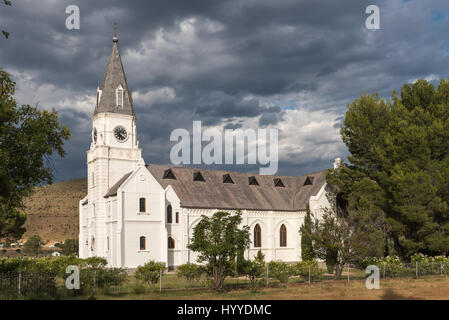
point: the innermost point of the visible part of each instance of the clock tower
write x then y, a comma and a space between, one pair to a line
114, 150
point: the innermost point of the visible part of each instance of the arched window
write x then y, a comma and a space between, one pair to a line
169, 214
283, 236
142, 207
257, 236
177, 217
107, 243
142, 243
171, 243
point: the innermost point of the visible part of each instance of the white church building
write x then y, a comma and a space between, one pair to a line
134, 213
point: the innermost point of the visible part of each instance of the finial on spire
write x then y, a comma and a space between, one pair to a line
115, 39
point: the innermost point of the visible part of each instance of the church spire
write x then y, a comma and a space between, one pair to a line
114, 96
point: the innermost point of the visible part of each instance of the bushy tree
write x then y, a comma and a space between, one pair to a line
306, 242
69, 247
402, 145
351, 235
280, 270
253, 269
190, 271
218, 239
28, 139
33, 245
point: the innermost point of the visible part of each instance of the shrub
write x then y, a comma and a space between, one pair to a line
190, 271
150, 272
254, 269
302, 269
279, 270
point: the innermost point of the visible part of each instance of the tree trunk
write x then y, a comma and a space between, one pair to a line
338, 270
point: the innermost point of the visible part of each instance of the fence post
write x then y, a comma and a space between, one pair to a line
348, 272
416, 269
267, 274
309, 274
20, 281
160, 279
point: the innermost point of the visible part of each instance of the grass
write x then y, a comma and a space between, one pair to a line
429, 287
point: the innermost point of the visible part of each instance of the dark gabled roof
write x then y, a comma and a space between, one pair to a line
113, 190
168, 174
113, 78
213, 193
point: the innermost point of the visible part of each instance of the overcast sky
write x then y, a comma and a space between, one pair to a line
293, 65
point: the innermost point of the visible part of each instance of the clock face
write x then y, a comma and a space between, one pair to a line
95, 134
120, 134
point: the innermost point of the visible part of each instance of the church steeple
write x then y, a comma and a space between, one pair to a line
114, 96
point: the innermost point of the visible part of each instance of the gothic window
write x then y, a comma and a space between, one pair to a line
142, 243
177, 217
257, 236
171, 243
142, 207
169, 214
107, 243
283, 236
119, 93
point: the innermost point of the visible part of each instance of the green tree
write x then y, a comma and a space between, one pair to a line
349, 236
28, 139
69, 247
33, 245
218, 239
402, 145
306, 241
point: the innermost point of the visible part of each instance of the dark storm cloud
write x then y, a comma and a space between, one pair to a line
244, 59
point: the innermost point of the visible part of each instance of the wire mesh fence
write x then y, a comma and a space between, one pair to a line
104, 283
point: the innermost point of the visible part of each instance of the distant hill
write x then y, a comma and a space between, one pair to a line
52, 210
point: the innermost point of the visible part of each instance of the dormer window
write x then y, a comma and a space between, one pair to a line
119, 94
227, 178
308, 181
252, 181
278, 183
168, 174
197, 176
